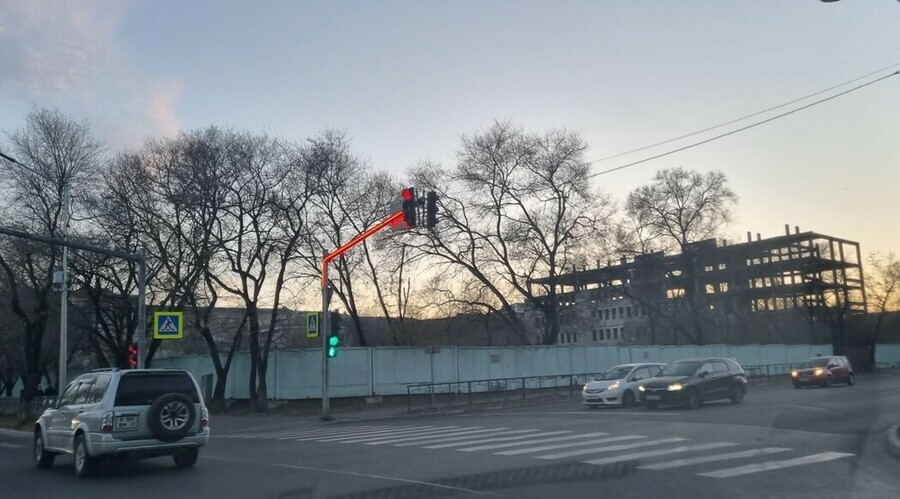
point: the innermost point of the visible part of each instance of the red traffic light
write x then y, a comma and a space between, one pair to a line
408, 194
132, 356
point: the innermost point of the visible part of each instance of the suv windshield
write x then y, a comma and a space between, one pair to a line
614, 373
679, 369
144, 388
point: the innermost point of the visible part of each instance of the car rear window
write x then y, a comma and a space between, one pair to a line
143, 389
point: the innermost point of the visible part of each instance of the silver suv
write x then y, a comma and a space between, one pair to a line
124, 413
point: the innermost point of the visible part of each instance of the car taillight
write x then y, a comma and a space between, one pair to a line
204, 418
106, 424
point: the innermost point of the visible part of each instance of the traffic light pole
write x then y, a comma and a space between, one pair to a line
324, 328
323, 332
138, 257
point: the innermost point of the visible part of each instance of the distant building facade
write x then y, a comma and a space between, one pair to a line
803, 278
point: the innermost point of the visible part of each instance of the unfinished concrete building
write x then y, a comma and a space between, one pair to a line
805, 276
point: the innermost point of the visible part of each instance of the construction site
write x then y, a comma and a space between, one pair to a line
797, 287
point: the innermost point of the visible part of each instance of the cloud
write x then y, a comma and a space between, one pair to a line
68, 54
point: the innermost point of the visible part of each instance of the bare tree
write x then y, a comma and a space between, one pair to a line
258, 234
882, 289
336, 215
52, 152
518, 207
678, 209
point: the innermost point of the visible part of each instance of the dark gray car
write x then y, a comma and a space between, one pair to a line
692, 382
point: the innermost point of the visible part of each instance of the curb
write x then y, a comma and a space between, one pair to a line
15, 433
893, 440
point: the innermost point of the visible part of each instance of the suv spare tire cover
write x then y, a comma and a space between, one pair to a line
171, 417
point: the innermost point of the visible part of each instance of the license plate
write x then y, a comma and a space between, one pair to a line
804, 378
654, 397
126, 422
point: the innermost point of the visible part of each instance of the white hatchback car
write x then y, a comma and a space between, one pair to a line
618, 386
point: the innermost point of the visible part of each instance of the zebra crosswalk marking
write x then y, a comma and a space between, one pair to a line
531, 450
661, 452
324, 434
775, 465
507, 445
383, 435
519, 435
611, 448
466, 438
420, 437
678, 463
345, 434
427, 438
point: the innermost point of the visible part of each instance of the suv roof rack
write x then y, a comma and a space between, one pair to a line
105, 370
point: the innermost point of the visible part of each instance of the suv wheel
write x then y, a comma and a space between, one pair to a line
737, 394
186, 458
692, 399
851, 379
827, 382
84, 463
171, 417
627, 399
42, 457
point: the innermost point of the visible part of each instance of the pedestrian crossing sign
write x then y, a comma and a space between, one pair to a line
312, 324
168, 325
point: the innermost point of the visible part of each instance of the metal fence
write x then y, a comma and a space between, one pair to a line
487, 391
11, 405
429, 396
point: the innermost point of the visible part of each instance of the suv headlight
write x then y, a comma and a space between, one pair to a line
674, 387
819, 371
641, 388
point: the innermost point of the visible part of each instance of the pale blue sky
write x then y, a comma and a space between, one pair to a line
405, 79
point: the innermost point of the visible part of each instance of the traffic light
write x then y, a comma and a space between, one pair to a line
132, 356
410, 203
334, 341
431, 209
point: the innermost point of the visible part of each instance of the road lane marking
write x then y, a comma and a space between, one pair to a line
775, 465
344, 433
467, 438
386, 434
607, 412
610, 448
531, 450
295, 431
527, 434
678, 463
428, 438
356, 473
332, 431
662, 452
532, 442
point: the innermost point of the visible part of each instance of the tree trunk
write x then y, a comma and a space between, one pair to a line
253, 316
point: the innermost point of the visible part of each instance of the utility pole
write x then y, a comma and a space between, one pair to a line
64, 298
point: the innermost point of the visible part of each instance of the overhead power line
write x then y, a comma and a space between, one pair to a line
741, 129
742, 118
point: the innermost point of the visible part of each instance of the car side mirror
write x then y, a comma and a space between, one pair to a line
50, 402
704, 374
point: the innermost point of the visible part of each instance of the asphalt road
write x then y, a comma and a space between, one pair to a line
781, 442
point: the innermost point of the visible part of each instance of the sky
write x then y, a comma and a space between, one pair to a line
406, 79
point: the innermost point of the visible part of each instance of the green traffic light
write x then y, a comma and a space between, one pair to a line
333, 341
331, 352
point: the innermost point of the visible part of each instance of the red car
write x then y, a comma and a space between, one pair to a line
823, 371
